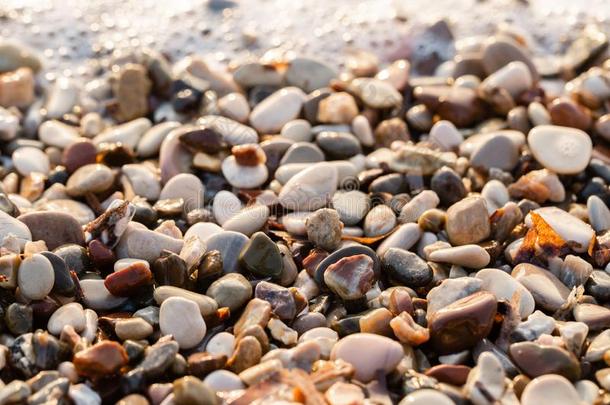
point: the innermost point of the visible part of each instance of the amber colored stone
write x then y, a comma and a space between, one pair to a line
101, 256
101, 360
567, 113
248, 155
125, 282
315, 257
247, 353
400, 301
202, 364
454, 374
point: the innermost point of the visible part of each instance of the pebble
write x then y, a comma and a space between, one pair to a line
419, 204
298, 130
223, 380
599, 214
270, 115
498, 51
338, 108
552, 388
514, 77
375, 93
186, 186
234, 106
350, 277
248, 220
495, 150
560, 149
599, 345
180, 317
486, 381
309, 74
351, 206
79, 153
101, 360
133, 328
29, 159
149, 143
404, 237
17, 88
229, 244
548, 292
425, 396
361, 128
189, 390
444, 134
141, 243
97, 297
142, 180
463, 323
131, 88
468, 221
61, 97
406, 268
302, 152
571, 229
9, 124
566, 113
472, 256
310, 188
207, 306
379, 221
595, 316
324, 228
536, 360
70, 314
382, 354
242, 176
94, 178
35, 277
54, 227
128, 134
56, 133
225, 206
503, 286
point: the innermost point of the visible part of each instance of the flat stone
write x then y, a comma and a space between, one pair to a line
310, 189
181, 318
133, 328
131, 88
503, 286
55, 228
382, 354
126, 281
96, 296
495, 151
17, 88
234, 106
550, 388
143, 181
379, 221
472, 256
514, 77
446, 135
599, 214
302, 152
536, 360
404, 237
309, 74
406, 268
207, 306
186, 186
350, 277
419, 204
248, 220
150, 142
595, 316
79, 153
560, 149
128, 134
375, 93
486, 381
103, 359
571, 229
28, 159
70, 314
548, 292
141, 243
599, 345
424, 396
93, 178
56, 133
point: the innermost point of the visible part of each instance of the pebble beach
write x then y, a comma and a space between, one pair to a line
334, 205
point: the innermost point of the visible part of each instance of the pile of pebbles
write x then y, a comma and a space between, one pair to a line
282, 232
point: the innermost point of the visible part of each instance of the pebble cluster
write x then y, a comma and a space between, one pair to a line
283, 232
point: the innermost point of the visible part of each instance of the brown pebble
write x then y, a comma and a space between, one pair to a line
454, 374
78, 154
376, 321
249, 154
567, 113
247, 353
125, 282
100, 360
257, 312
202, 364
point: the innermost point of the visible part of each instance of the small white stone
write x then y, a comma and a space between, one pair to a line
143, 181
241, 176
310, 189
473, 256
9, 124
69, 314
222, 343
361, 127
56, 133
225, 205
271, 114
248, 220
550, 389
294, 222
223, 380
28, 159
129, 133
446, 135
96, 296
35, 277
298, 130
186, 186
599, 214
514, 77
426, 396
150, 143
379, 221
181, 318
419, 204
560, 149
503, 286
203, 230
234, 106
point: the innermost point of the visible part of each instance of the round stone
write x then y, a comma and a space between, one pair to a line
468, 221
406, 268
29, 159
310, 189
270, 115
56, 133
133, 328
242, 176
381, 353
560, 149
248, 220
54, 227
553, 389
70, 314
181, 318
231, 290
350, 277
351, 206
426, 396
324, 228
379, 221
36, 277
186, 186
93, 178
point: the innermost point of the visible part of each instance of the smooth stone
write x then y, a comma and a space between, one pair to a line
548, 292
500, 51
223, 380
54, 227
203, 230
251, 74
324, 228
225, 206
503, 286
338, 145
536, 360
231, 290
406, 268
472, 143
234, 106
56, 133
375, 93
514, 77
97, 297
248, 220
221, 344
261, 256
350, 277
9, 124
379, 221
270, 115
181, 318
102, 359
229, 244
174, 158
309, 189
446, 135
142, 180
571, 229
495, 194
346, 172
93, 178
81, 212
233, 132
347, 250
63, 284
451, 290
128, 134
70, 314
241, 176
553, 389
309, 74
298, 130
14, 55
150, 141
133, 328
560, 149
294, 222
207, 306
351, 206
426, 396
463, 323
361, 128
468, 221
448, 186
28, 159
485, 382
186, 186
599, 214
419, 204
36, 277
599, 345
472, 256
495, 151
81, 394
564, 112
382, 354
61, 97
139, 242
342, 393
595, 316
79, 153
404, 237
302, 152
598, 285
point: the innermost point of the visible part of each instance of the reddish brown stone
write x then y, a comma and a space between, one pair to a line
78, 154
101, 360
454, 374
125, 282
201, 139
102, 257
315, 257
202, 364
567, 113
248, 155
461, 106
400, 301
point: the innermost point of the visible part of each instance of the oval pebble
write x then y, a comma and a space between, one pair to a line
181, 318
29, 159
560, 149
36, 277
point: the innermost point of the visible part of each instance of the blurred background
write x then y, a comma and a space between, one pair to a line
68, 32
